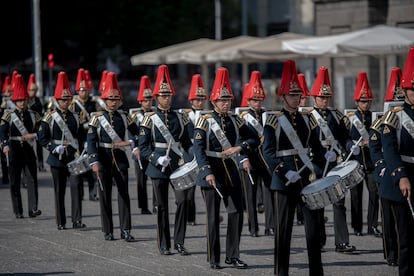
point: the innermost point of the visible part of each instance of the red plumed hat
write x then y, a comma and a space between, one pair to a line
62, 90
20, 89
6, 85
88, 79
303, 85
289, 83
322, 86
81, 82
363, 89
102, 82
254, 90
197, 90
145, 91
407, 80
244, 102
111, 90
31, 84
221, 87
13, 78
394, 91
163, 84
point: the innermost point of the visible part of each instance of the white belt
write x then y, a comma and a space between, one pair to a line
106, 145
289, 152
65, 142
165, 145
16, 138
408, 159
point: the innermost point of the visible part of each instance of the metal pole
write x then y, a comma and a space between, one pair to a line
37, 46
217, 9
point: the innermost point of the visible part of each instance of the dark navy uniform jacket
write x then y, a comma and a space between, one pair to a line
99, 141
280, 164
153, 145
10, 135
363, 157
237, 133
50, 136
398, 153
387, 189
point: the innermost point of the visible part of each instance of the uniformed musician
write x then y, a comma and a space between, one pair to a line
6, 93
289, 140
162, 141
59, 133
254, 95
219, 138
18, 135
397, 137
108, 145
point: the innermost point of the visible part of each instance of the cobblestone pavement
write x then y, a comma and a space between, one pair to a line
34, 246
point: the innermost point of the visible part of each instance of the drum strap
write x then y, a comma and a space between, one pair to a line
65, 130
110, 130
20, 126
356, 122
166, 134
253, 122
295, 141
329, 138
407, 123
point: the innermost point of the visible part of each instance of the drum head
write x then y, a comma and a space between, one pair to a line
320, 184
344, 168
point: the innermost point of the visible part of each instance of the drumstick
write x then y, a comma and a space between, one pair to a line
100, 182
250, 177
140, 164
350, 154
299, 171
167, 153
217, 190
411, 206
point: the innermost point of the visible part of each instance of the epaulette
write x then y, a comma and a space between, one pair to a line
239, 121
48, 116
391, 119
130, 119
339, 114
347, 122
94, 120
312, 122
6, 116
350, 114
244, 113
186, 119
202, 122
37, 116
376, 125
272, 120
147, 122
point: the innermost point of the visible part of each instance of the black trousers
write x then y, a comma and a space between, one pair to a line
105, 199
389, 231
60, 177
142, 178
233, 201
15, 173
285, 206
192, 205
373, 202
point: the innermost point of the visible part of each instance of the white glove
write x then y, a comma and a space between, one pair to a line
292, 176
164, 160
59, 149
382, 172
355, 150
330, 156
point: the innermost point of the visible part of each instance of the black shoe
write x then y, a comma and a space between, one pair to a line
299, 222
154, 209
375, 231
146, 212
358, 233
35, 213
93, 198
109, 237
260, 208
125, 235
269, 232
165, 251
254, 234
61, 227
221, 218
392, 263
192, 223
215, 266
19, 216
236, 262
181, 249
78, 225
345, 248
326, 219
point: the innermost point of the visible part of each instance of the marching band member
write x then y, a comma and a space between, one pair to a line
59, 133
333, 132
254, 95
107, 141
361, 120
145, 99
18, 134
6, 93
397, 137
83, 105
163, 137
289, 139
218, 138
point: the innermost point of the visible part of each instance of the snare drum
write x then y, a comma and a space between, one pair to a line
351, 173
79, 166
185, 176
323, 192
